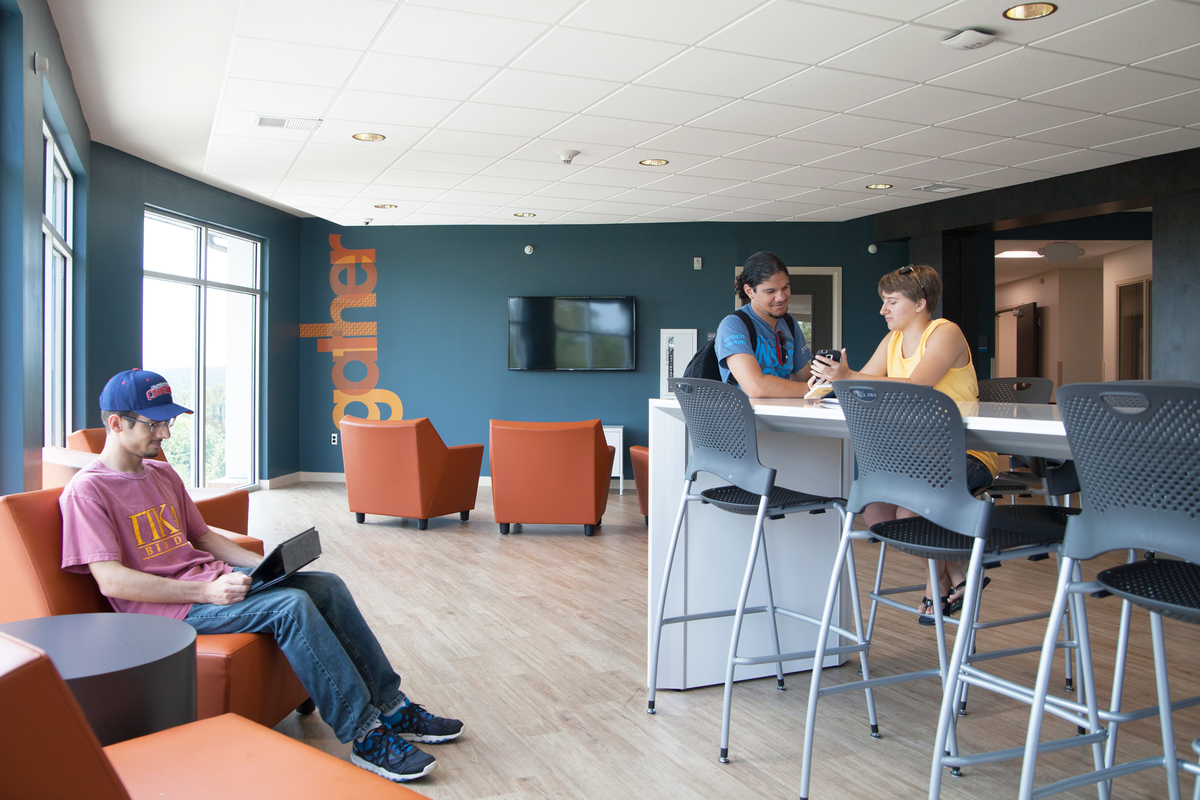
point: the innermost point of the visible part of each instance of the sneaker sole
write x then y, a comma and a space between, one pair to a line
428, 738
358, 761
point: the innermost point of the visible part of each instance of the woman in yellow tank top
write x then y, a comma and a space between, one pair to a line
929, 352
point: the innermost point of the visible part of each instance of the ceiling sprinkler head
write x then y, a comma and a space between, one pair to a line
565, 156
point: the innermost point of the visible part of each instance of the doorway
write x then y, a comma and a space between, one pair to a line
816, 305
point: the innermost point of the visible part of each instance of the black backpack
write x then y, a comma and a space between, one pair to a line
704, 364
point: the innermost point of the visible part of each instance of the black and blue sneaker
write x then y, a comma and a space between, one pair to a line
415, 724
385, 753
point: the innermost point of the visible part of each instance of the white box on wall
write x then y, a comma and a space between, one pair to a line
676, 346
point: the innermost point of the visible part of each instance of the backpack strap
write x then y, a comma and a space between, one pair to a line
753, 334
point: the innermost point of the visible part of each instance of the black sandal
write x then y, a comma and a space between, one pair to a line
952, 607
927, 605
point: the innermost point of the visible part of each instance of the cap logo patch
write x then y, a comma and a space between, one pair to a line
158, 390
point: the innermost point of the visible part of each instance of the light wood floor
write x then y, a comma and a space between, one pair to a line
537, 640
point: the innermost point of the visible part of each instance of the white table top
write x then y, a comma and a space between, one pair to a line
1019, 428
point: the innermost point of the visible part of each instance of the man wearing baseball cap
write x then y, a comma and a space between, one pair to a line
128, 520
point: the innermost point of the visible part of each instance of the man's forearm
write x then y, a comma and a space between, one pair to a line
117, 580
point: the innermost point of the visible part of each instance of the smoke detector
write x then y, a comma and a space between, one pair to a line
565, 156
969, 40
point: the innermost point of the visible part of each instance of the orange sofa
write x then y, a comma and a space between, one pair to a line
401, 468
241, 672
640, 456
550, 472
47, 750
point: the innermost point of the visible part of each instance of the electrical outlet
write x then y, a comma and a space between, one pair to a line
333, 439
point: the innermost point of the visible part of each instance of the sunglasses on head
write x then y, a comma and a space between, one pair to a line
909, 270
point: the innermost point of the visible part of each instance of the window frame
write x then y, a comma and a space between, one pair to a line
57, 295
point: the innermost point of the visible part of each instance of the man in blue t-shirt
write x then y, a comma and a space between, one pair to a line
779, 366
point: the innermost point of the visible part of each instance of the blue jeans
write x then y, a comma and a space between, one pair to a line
317, 624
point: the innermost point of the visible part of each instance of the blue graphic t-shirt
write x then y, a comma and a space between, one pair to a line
732, 338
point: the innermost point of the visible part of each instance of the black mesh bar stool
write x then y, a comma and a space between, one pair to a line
724, 442
1038, 391
910, 450
1136, 447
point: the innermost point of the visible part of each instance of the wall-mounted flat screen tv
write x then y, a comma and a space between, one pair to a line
572, 333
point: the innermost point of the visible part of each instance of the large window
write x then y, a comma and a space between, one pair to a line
57, 192
200, 295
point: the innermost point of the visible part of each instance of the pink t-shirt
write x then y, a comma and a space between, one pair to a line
145, 520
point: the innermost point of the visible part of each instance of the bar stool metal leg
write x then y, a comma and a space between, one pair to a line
656, 632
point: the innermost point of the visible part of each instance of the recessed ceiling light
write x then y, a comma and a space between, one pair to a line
654, 162
524, 214
1019, 254
1030, 11
370, 137
385, 205
879, 186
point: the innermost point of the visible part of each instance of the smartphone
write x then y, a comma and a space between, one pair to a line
834, 355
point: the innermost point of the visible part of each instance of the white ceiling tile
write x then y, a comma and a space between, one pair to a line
232, 122
1077, 161
691, 183
420, 77
614, 207
829, 197
325, 188
1156, 144
751, 116
347, 155
1141, 32
631, 158
1184, 62
583, 218
589, 54
812, 177
513, 87
1096, 131
702, 141
585, 128
791, 152
1020, 73
683, 21
935, 141
334, 23
847, 129
718, 72
755, 190
1182, 110
965, 14
713, 202
324, 171
486, 118
484, 183
532, 10
282, 99
734, 169
507, 215
795, 32
546, 150
341, 132
471, 144
745, 216
893, 54
285, 62
419, 178
579, 191
830, 89
656, 105
892, 9
784, 209
443, 162
245, 167
428, 218
489, 199
861, 182
367, 205
839, 214
396, 194
1010, 176
1016, 118
536, 202
456, 209
676, 214
928, 105
544, 170
248, 147
391, 109
652, 196
887, 202
602, 176
448, 35
936, 169
1119, 89
863, 160
264, 186
1007, 152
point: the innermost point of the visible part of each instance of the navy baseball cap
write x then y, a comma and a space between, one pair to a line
143, 391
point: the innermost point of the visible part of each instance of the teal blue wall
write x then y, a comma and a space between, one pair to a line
442, 313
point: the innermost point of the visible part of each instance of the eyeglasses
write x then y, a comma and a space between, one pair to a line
909, 269
165, 425
780, 350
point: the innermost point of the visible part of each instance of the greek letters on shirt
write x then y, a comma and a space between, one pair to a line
157, 531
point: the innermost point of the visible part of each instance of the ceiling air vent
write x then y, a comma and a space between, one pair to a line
939, 188
290, 123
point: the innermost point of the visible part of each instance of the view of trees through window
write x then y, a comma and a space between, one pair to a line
200, 322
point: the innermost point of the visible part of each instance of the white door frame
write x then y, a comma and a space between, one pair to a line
836, 274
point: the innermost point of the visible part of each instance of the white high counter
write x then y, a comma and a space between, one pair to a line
807, 443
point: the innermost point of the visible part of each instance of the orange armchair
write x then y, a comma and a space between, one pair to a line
550, 472
401, 468
91, 440
226, 756
640, 456
241, 672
